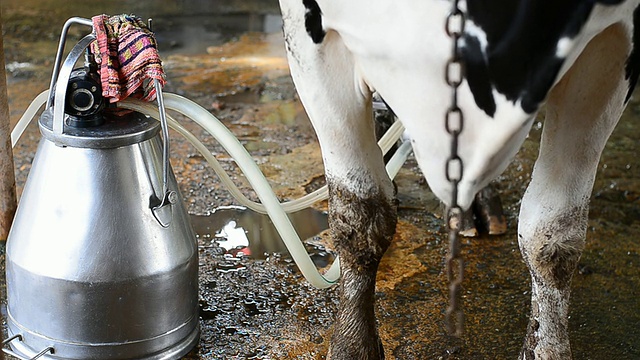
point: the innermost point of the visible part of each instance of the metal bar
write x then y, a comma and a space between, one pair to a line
16, 336
10, 352
167, 197
41, 353
59, 54
8, 200
63, 78
165, 137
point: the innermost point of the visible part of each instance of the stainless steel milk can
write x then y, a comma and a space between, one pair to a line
98, 265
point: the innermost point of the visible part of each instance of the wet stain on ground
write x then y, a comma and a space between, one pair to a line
254, 304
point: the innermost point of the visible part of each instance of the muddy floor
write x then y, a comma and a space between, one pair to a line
254, 304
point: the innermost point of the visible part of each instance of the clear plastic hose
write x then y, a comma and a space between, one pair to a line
257, 180
269, 203
28, 115
389, 138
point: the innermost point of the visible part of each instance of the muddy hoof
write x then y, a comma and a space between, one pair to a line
340, 354
485, 213
488, 210
468, 224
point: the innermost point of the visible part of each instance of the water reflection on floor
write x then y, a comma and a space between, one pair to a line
256, 306
245, 233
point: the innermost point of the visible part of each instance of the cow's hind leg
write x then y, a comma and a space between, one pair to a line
583, 108
362, 211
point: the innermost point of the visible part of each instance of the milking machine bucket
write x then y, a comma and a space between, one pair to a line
101, 259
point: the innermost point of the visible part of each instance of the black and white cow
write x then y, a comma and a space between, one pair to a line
577, 56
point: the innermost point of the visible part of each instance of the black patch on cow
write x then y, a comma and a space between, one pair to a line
633, 63
478, 75
522, 36
313, 21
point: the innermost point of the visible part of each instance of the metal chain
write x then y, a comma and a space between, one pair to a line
454, 123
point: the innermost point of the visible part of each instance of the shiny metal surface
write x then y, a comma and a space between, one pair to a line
59, 54
160, 211
117, 131
63, 78
89, 269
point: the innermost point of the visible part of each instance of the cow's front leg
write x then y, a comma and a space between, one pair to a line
551, 248
582, 110
362, 224
362, 214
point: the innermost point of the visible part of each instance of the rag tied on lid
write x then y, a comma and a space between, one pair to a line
127, 57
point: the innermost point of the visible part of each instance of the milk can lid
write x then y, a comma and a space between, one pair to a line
116, 131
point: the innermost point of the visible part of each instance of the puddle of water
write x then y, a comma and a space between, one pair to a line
244, 233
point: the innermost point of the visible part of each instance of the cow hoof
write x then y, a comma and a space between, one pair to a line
485, 213
488, 210
335, 355
545, 354
467, 224
366, 351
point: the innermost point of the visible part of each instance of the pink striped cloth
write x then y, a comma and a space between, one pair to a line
127, 57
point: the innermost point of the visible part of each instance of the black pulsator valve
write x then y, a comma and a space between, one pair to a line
84, 102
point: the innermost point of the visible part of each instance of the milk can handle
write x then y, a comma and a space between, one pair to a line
62, 73
63, 79
16, 355
163, 211
61, 44
60, 77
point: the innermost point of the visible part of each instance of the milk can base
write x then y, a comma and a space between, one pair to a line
119, 351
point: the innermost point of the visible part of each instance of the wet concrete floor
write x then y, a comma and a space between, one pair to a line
254, 304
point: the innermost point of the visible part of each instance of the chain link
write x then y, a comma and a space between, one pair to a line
454, 169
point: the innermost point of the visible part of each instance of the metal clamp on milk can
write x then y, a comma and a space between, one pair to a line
101, 258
